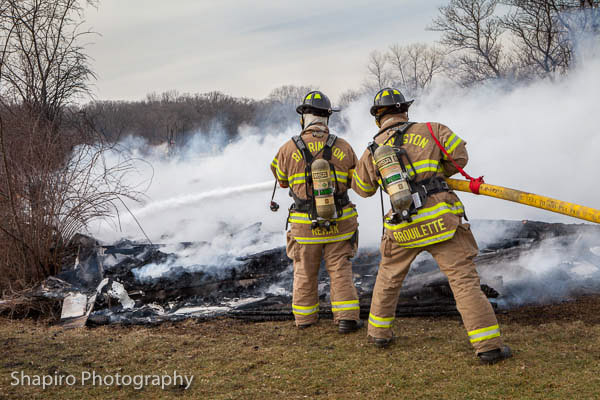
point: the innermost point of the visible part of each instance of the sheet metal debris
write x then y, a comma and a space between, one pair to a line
520, 262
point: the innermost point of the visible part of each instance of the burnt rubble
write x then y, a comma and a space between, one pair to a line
520, 262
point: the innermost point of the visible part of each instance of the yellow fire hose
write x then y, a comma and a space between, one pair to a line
530, 199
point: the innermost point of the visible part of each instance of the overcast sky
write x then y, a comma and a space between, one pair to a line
245, 47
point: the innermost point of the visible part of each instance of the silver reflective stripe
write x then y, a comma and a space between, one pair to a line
428, 165
341, 307
437, 210
304, 310
380, 324
341, 178
303, 217
425, 215
480, 335
450, 142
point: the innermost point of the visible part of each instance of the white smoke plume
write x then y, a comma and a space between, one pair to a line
539, 137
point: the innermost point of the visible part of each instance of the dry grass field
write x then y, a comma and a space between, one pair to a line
557, 356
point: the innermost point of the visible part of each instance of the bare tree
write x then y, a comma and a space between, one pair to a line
44, 65
378, 75
577, 16
472, 32
415, 65
50, 187
541, 40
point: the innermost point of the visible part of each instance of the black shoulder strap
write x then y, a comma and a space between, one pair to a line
372, 146
303, 149
399, 135
327, 150
390, 127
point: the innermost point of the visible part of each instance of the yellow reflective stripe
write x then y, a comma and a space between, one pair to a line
317, 95
386, 319
339, 303
424, 218
450, 139
489, 328
362, 185
341, 176
385, 93
379, 322
305, 313
280, 174
297, 179
416, 164
327, 239
378, 325
344, 308
429, 213
344, 305
453, 141
309, 96
354, 213
458, 141
299, 218
430, 240
424, 166
305, 307
484, 333
303, 218
305, 310
491, 336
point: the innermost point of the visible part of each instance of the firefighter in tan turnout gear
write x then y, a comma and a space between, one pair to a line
317, 167
406, 163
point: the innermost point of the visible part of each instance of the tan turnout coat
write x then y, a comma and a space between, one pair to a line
288, 167
439, 217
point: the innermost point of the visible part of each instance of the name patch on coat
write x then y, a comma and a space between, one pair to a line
421, 232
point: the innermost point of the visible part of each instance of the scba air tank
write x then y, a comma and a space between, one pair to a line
393, 178
323, 189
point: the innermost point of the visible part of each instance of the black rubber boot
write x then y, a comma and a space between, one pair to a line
304, 326
496, 355
349, 326
380, 342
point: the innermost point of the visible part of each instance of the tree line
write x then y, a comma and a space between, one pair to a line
173, 117
483, 40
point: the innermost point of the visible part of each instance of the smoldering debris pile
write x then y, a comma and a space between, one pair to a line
520, 262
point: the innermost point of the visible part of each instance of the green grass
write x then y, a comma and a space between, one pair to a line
557, 356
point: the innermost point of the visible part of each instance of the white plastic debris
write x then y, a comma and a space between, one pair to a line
74, 305
117, 291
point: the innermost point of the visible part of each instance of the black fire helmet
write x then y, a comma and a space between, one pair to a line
316, 103
389, 97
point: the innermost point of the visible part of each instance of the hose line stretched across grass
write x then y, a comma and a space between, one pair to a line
530, 199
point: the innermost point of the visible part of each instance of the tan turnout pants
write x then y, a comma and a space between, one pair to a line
307, 260
455, 259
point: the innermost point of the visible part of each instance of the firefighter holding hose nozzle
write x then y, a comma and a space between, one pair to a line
317, 166
425, 215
